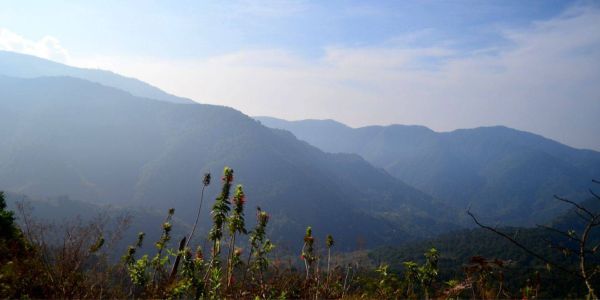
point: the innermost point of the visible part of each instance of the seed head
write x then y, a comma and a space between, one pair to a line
206, 180
263, 218
329, 242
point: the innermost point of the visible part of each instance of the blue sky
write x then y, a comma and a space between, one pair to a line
200, 28
532, 65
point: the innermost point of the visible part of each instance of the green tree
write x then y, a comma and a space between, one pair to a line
8, 230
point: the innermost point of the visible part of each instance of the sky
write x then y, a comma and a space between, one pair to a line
532, 65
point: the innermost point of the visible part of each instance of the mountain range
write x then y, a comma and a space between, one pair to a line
27, 66
508, 176
105, 139
96, 143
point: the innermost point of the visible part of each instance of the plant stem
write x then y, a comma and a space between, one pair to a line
230, 260
197, 217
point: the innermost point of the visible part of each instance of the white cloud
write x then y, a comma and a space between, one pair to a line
47, 47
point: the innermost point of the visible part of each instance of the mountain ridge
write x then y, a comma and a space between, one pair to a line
510, 174
19, 65
68, 136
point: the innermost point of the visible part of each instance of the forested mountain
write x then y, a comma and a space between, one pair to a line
506, 175
457, 248
27, 66
67, 136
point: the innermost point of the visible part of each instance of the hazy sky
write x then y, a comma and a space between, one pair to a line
532, 65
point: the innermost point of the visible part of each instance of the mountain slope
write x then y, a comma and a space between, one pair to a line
60, 213
26, 66
508, 175
456, 249
65, 136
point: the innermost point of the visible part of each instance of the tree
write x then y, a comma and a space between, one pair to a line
8, 230
591, 220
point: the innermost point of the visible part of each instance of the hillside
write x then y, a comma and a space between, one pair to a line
66, 136
457, 248
61, 213
506, 175
26, 66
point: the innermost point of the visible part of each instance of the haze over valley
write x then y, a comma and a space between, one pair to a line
299, 149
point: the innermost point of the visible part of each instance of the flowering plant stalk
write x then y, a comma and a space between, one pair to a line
236, 225
260, 247
219, 213
158, 261
205, 183
329, 242
308, 251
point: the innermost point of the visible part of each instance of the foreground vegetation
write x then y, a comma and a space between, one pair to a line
38, 262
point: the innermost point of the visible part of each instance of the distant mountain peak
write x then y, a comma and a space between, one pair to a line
70, 136
508, 173
14, 64
320, 122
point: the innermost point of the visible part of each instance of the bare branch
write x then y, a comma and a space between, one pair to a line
575, 204
594, 194
566, 234
524, 248
582, 216
562, 248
